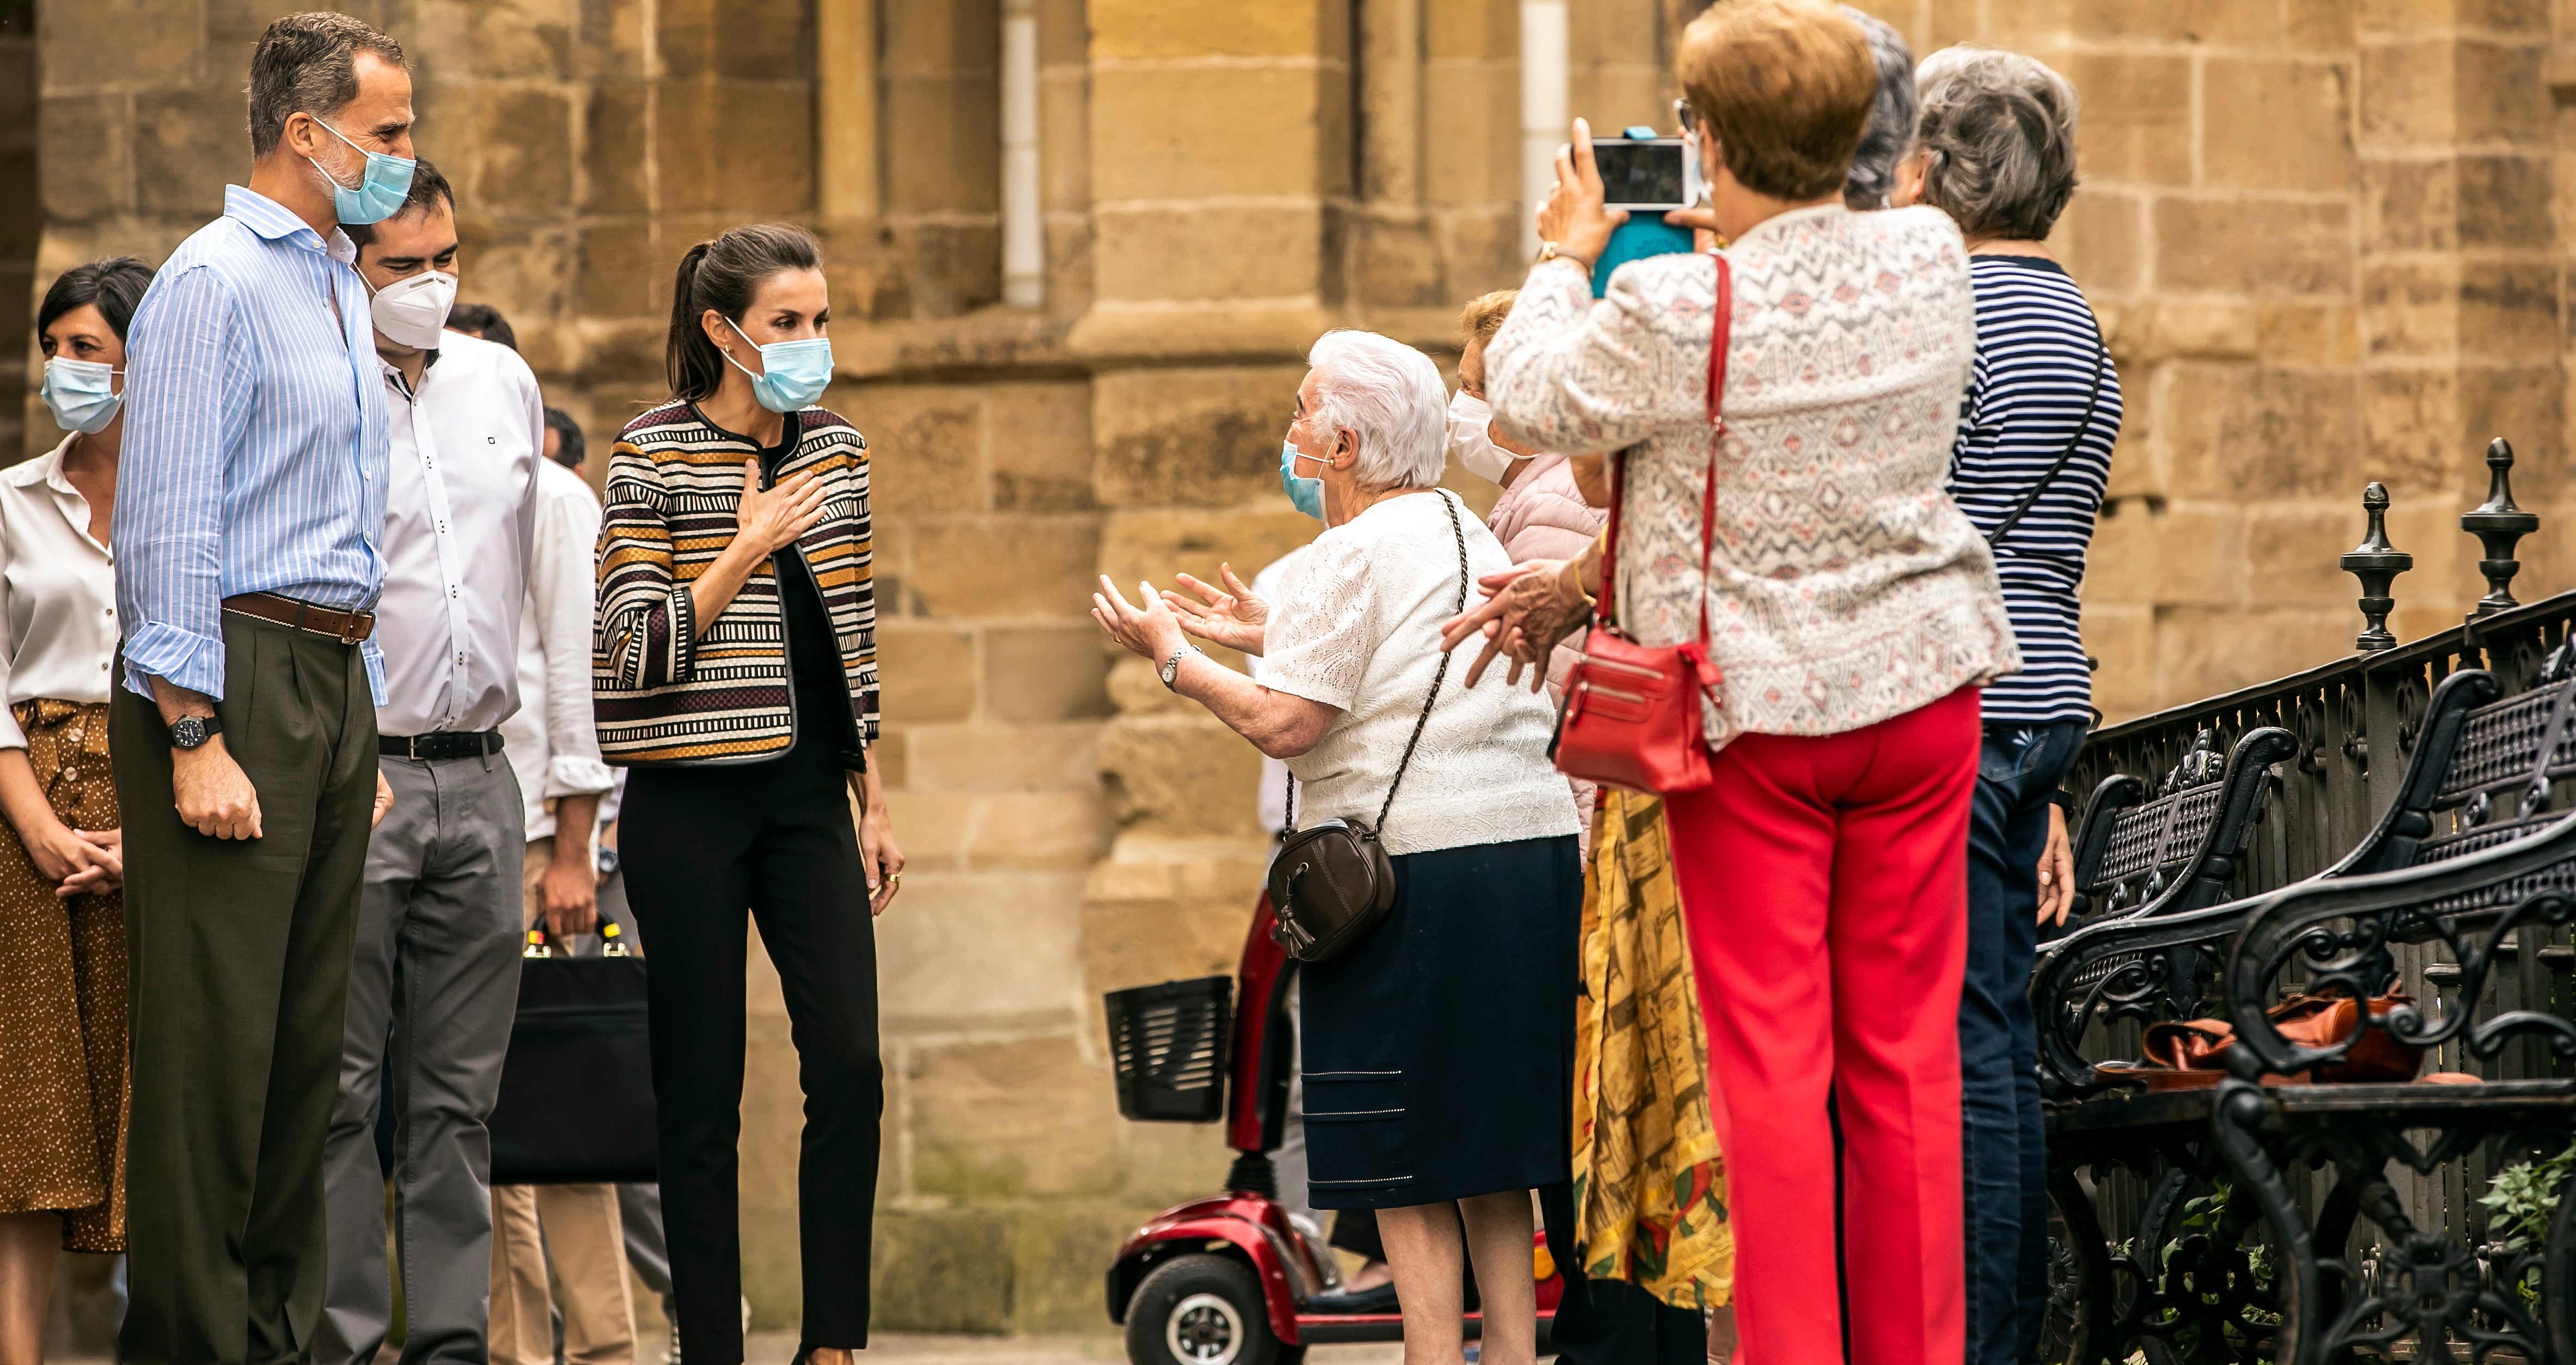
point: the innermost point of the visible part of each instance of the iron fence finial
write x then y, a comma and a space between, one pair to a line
2376, 563
2497, 524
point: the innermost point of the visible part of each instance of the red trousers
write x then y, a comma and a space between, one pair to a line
1825, 882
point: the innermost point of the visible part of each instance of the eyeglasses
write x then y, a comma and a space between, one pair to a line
1684, 119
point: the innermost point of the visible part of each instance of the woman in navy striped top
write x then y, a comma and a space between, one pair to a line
1996, 151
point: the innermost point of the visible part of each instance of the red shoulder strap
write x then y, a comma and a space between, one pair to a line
1721, 326
1721, 332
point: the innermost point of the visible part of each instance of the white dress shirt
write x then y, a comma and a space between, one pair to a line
460, 507
551, 742
57, 592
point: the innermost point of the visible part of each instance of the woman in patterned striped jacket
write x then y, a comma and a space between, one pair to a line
735, 671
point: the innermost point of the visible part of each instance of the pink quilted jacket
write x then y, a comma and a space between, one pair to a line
1543, 516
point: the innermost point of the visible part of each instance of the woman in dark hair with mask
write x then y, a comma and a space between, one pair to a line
62, 915
735, 667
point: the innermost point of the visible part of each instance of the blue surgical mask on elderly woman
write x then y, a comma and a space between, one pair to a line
1307, 494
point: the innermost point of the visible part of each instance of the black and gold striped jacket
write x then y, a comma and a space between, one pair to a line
665, 694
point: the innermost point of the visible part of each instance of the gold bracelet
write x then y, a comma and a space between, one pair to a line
1547, 252
1574, 568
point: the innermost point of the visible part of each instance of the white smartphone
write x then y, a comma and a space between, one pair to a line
1646, 173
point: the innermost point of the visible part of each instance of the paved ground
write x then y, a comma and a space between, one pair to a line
768, 1348
775, 1348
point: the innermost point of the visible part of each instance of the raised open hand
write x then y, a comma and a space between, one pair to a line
1151, 630
1231, 616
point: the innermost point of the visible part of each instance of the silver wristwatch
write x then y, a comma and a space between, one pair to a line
1172, 666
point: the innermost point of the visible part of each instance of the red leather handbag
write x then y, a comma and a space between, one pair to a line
1631, 715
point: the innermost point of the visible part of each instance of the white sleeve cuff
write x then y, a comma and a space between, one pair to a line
577, 775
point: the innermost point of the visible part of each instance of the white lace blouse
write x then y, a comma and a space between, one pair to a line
1360, 630
1845, 589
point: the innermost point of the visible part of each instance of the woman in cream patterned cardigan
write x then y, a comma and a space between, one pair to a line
1855, 613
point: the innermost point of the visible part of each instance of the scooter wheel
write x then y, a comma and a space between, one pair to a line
1201, 1310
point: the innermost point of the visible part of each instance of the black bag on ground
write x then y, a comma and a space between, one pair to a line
576, 1101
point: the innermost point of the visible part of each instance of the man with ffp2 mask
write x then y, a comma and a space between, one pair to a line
434, 977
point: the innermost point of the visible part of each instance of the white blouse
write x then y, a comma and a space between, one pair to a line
1360, 630
57, 591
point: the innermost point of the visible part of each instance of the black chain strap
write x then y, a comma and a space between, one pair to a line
2083, 426
1448, 503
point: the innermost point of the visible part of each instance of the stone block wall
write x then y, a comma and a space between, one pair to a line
2324, 236
22, 221
2324, 239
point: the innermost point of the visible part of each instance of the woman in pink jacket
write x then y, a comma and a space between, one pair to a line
1543, 513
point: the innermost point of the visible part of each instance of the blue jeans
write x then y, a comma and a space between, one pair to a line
2003, 1146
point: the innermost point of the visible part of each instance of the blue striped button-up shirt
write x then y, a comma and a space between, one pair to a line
255, 442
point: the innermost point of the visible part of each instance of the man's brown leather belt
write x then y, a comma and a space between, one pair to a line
347, 627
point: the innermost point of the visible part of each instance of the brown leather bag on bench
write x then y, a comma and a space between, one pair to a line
2313, 1021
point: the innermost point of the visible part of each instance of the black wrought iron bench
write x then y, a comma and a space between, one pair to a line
2175, 851
2235, 1254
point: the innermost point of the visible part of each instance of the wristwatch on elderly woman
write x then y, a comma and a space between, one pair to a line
1172, 666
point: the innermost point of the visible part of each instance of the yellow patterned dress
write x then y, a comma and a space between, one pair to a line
1649, 1181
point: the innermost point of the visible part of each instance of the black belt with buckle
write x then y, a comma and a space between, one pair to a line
446, 744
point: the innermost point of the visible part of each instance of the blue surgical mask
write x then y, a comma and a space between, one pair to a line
794, 373
80, 393
1307, 494
380, 191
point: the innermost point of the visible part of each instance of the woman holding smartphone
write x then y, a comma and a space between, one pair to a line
736, 674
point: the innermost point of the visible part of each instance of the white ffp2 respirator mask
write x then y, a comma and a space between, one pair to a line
412, 311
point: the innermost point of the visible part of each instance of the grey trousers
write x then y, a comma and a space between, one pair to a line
436, 980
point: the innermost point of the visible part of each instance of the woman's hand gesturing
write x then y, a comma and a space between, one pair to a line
1152, 630
771, 519
1233, 617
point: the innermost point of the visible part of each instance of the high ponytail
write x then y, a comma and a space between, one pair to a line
725, 275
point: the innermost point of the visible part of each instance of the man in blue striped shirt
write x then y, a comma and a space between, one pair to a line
250, 505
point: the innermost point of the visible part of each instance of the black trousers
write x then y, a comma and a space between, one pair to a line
238, 955
702, 846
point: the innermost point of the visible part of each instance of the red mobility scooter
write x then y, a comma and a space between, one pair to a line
1227, 1280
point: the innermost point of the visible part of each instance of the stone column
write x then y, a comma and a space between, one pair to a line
1221, 143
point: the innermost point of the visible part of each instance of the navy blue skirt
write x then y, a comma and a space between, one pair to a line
1439, 1053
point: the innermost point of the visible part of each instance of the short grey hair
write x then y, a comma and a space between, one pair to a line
1392, 397
1890, 133
1998, 141
308, 64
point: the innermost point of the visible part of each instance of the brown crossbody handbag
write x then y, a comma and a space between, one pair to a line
1332, 884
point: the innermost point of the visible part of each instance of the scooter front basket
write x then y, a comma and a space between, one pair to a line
1168, 1044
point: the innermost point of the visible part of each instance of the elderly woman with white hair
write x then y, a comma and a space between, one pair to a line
1996, 152
1438, 1051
